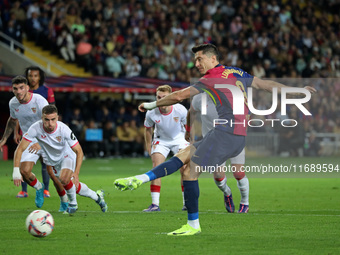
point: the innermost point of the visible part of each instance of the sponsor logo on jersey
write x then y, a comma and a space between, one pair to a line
34, 110
157, 121
176, 119
58, 138
16, 110
43, 136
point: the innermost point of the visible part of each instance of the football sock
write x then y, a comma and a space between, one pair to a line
155, 194
183, 194
222, 185
70, 189
24, 186
168, 167
45, 176
85, 191
63, 196
243, 186
36, 184
191, 194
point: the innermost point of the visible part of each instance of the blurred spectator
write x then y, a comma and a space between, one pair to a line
133, 68
110, 144
126, 137
313, 147
114, 64
66, 46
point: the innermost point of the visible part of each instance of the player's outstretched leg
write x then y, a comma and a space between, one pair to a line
98, 197
166, 168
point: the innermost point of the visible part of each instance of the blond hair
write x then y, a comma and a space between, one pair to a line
164, 88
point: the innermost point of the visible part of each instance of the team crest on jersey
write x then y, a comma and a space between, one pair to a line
58, 138
34, 110
176, 119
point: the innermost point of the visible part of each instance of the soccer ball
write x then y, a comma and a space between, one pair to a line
40, 223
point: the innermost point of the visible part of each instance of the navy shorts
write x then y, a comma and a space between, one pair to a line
217, 147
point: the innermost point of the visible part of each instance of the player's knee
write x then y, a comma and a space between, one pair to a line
64, 180
239, 175
25, 170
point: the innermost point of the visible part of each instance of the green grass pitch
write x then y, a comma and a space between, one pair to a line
288, 214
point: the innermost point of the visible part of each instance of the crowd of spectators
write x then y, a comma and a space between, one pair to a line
152, 38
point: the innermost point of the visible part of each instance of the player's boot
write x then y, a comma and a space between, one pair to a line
185, 230
71, 209
243, 208
184, 208
46, 193
22, 194
130, 183
152, 208
39, 197
63, 206
101, 202
229, 203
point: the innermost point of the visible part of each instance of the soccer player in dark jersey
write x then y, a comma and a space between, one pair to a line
222, 142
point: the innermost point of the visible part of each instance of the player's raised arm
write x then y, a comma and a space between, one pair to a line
173, 98
80, 155
268, 85
10, 126
17, 178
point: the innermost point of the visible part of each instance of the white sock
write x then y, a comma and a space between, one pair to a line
155, 197
222, 185
38, 185
194, 223
71, 194
183, 198
243, 186
143, 177
85, 191
63, 198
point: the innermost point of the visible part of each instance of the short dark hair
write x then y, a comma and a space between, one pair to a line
206, 49
49, 109
19, 79
41, 73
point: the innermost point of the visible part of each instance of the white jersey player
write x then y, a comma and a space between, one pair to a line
63, 152
168, 135
26, 108
237, 162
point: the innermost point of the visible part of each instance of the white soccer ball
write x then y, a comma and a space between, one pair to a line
40, 223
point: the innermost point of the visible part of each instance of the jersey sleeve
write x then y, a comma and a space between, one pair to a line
42, 102
184, 113
69, 136
196, 103
50, 96
148, 123
31, 133
12, 111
